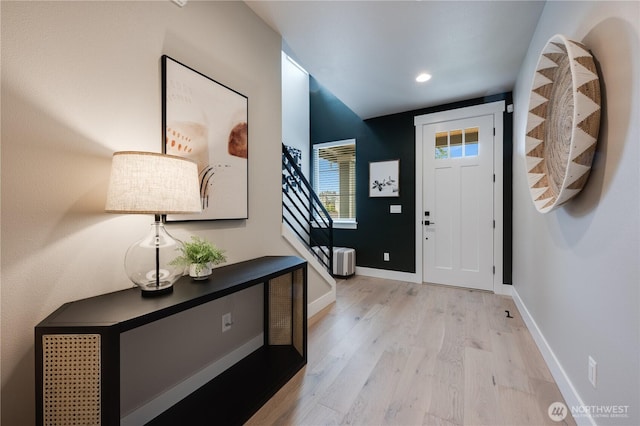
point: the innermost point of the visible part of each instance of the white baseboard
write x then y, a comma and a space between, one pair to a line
294, 241
503, 289
567, 389
327, 298
389, 275
321, 302
155, 407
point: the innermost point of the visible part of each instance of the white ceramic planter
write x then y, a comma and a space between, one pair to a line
201, 274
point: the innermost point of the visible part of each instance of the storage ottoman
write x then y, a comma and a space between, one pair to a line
344, 260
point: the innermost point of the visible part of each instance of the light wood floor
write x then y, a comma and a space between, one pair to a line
397, 353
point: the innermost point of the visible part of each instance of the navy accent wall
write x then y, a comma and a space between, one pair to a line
391, 137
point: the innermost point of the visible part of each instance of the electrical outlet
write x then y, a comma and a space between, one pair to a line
386, 257
226, 322
593, 371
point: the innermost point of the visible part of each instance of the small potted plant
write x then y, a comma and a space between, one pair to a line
200, 256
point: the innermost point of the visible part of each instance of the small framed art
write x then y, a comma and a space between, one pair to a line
384, 179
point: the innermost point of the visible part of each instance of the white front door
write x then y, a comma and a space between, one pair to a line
458, 192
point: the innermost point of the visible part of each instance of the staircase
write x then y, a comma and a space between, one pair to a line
304, 214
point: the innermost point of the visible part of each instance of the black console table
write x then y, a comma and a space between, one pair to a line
78, 347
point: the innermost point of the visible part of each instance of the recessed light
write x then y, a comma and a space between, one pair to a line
423, 77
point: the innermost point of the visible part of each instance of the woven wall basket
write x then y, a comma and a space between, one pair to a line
562, 124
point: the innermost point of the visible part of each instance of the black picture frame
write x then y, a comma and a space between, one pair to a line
207, 122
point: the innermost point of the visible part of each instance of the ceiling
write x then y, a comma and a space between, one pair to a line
368, 53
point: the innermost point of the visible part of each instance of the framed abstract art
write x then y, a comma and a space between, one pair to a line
207, 122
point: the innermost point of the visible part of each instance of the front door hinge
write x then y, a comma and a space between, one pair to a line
494, 177
494, 224
494, 269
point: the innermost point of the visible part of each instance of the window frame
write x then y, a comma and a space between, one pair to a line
338, 223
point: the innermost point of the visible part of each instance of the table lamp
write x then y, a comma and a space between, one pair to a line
153, 183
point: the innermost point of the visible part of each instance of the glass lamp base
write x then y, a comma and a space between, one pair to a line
148, 262
150, 286
152, 289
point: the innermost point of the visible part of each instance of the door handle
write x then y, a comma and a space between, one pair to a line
427, 223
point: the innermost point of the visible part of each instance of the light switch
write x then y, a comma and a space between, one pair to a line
395, 208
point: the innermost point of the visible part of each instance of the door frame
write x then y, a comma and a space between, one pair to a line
493, 108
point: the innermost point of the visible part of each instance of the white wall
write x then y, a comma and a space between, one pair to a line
81, 80
295, 109
576, 269
295, 134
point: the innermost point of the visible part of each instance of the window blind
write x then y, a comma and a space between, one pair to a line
334, 167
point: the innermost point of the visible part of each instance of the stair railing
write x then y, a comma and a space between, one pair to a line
304, 213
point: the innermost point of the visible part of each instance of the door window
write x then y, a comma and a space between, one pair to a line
457, 143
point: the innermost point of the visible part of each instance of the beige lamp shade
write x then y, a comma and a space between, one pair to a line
152, 183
